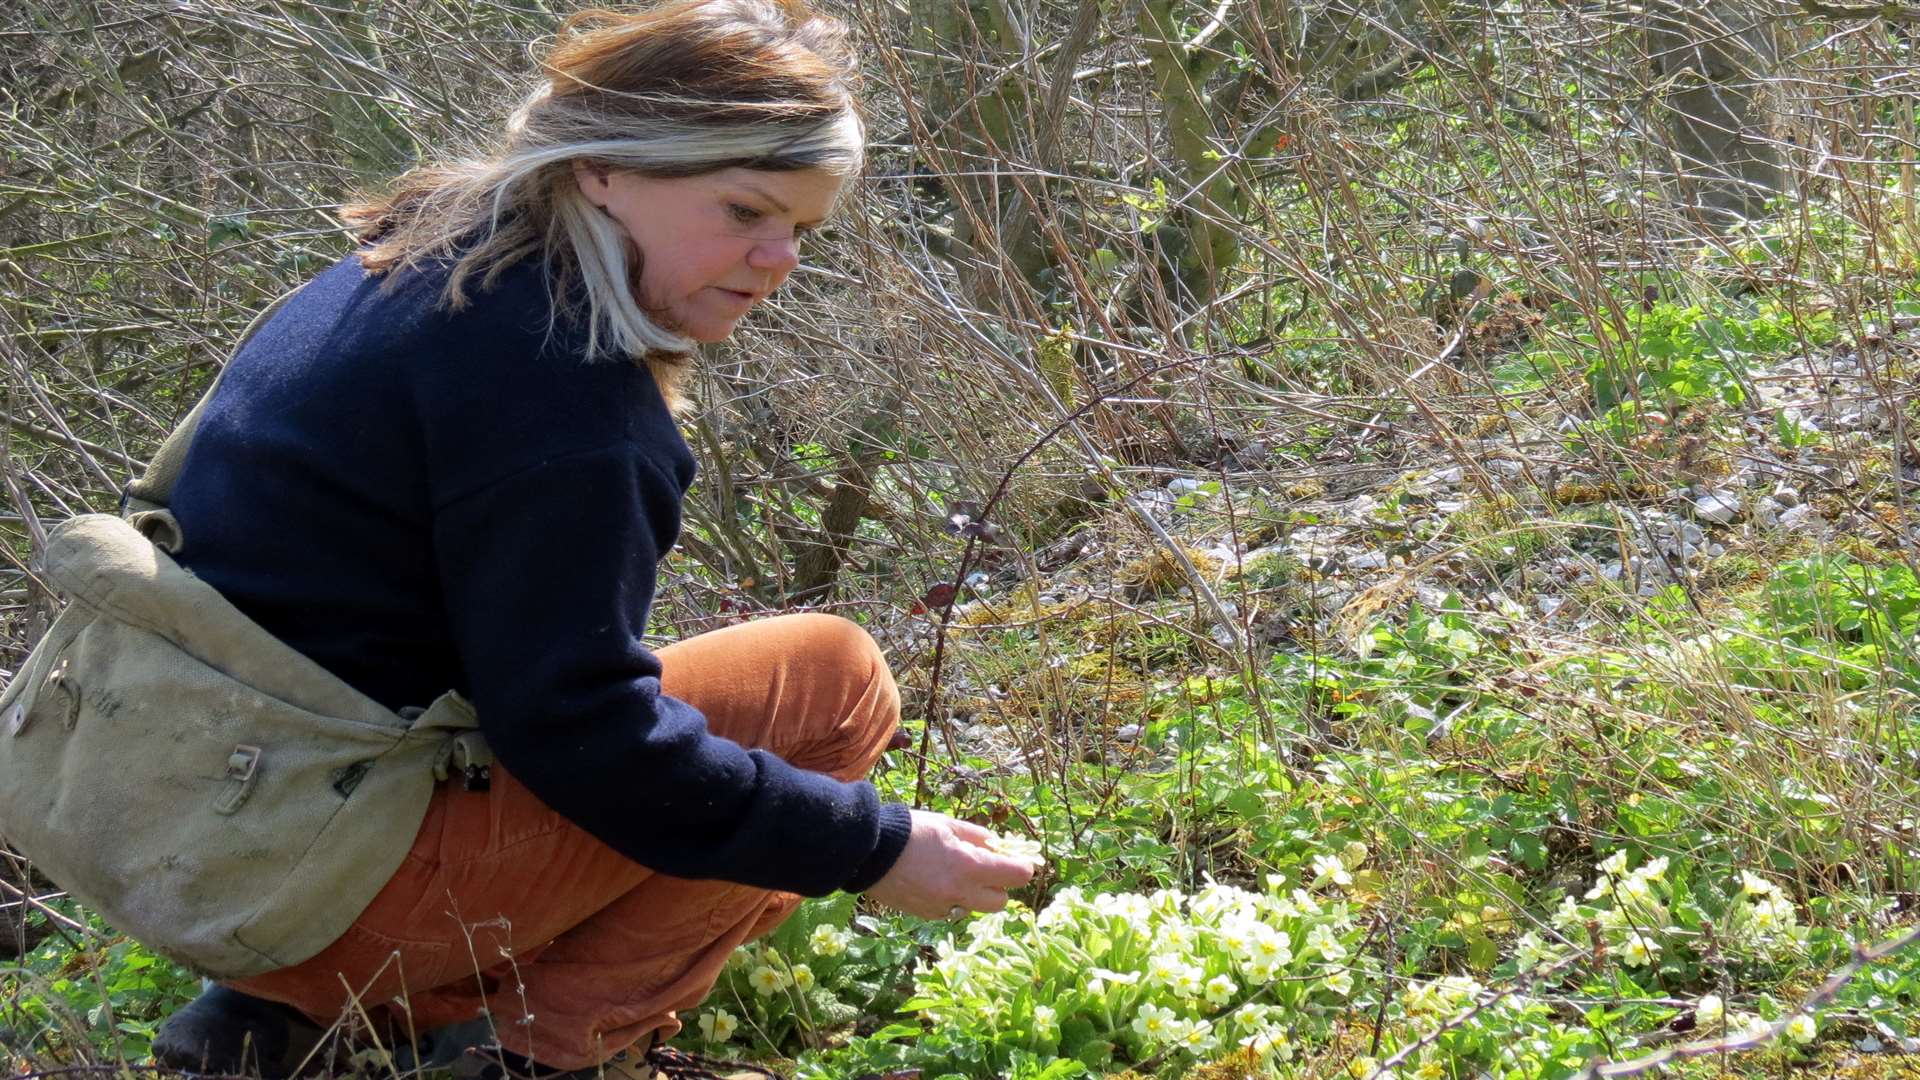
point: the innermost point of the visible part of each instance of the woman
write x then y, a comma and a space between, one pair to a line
450, 462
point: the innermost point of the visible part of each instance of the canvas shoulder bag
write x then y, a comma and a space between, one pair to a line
203, 786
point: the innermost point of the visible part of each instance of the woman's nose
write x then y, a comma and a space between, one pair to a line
778, 257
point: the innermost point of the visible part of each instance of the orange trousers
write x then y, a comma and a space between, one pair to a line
575, 951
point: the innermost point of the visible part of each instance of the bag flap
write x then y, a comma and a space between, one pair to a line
103, 562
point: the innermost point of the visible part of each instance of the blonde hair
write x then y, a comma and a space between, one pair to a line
684, 88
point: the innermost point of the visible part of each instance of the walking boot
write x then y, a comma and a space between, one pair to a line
224, 1031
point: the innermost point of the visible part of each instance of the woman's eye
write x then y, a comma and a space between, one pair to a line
745, 215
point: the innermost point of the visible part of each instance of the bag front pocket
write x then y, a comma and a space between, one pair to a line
179, 802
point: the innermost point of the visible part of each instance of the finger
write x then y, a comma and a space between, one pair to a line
987, 900
1004, 872
971, 833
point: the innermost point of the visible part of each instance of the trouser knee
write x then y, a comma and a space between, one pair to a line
843, 651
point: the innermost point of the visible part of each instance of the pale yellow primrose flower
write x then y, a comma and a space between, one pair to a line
802, 977
1530, 951
1187, 981
1197, 1036
1020, 847
766, 981
1155, 1024
1773, 912
1164, 968
1442, 995
1272, 946
828, 941
1710, 1011
1235, 936
1567, 915
1270, 1042
1801, 1029
1322, 939
1178, 936
718, 1026
1220, 989
1639, 950
1329, 868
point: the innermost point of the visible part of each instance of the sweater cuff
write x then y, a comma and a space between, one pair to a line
896, 825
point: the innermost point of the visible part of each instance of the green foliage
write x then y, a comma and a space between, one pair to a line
1830, 618
1671, 357
1636, 803
1124, 978
815, 976
105, 1000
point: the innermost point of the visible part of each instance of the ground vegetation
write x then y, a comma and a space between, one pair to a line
1408, 507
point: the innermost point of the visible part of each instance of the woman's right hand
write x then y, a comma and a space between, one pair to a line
949, 864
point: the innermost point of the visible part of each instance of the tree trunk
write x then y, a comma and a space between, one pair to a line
974, 103
1713, 61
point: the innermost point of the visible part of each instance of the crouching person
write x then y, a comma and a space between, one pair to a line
374, 619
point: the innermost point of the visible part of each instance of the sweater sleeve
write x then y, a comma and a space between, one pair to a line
547, 574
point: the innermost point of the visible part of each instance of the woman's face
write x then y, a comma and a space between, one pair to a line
713, 245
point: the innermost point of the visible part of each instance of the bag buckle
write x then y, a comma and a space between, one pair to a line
57, 679
243, 767
19, 716
474, 760
468, 755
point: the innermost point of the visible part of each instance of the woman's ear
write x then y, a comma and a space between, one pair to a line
594, 178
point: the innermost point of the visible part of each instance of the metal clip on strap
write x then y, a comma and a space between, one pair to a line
468, 754
466, 751
243, 768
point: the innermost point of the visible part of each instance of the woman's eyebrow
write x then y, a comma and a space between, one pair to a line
763, 193
777, 204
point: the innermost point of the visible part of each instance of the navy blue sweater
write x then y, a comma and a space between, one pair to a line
421, 499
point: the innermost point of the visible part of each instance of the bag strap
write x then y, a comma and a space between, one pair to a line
144, 500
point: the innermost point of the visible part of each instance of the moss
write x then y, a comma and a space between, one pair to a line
1238, 1065
1268, 570
1628, 485
1498, 534
1735, 570
1159, 574
1310, 488
1021, 606
1486, 425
